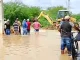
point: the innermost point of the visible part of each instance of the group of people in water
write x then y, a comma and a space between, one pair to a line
65, 28
25, 26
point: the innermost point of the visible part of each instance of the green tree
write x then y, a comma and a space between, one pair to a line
77, 16
52, 12
19, 10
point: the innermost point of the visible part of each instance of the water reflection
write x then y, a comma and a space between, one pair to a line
65, 57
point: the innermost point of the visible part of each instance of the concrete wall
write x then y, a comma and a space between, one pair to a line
1, 17
1, 31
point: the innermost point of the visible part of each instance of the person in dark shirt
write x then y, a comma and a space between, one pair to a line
7, 27
65, 31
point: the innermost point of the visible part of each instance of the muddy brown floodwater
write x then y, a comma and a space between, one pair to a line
45, 46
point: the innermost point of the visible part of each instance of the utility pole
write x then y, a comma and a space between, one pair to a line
1, 30
1, 18
68, 5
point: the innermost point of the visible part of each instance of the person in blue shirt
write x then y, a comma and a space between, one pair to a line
24, 26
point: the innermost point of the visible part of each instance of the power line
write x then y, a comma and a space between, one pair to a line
16, 1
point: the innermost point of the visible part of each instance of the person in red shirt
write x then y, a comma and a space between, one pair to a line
29, 24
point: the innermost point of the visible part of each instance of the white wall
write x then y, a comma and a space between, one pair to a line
1, 17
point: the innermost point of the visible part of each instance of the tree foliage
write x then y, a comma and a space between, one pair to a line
77, 16
52, 13
18, 10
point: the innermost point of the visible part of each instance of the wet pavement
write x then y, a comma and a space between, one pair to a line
45, 46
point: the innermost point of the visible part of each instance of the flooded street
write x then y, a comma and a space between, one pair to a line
45, 46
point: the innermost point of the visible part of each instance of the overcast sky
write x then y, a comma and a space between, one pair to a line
74, 4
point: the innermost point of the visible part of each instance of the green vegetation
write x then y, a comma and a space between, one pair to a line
21, 11
77, 16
